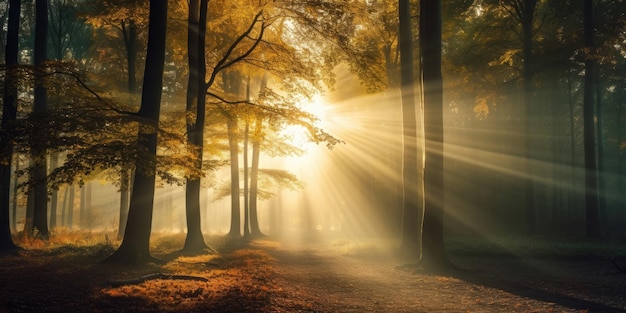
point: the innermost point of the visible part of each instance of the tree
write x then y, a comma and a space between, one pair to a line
433, 251
411, 218
135, 247
9, 115
196, 111
524, 12
39, 170
589, 116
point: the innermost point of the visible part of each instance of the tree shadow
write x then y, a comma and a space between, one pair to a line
534, 282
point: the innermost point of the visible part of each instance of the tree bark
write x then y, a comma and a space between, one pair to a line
255, 230
9, 115
589, 114
433, 251
196, 107
135, 247
235, 219
411, 218
39, 171
130, 42
124, 198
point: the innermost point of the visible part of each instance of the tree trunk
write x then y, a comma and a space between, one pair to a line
591, 178
124, 198
433, 251
54, 194
135, 247
411, 219
39, 171
70, 208
526, 17
9, 115
235, 219
255, 230
196, 106
246, 196
130, 42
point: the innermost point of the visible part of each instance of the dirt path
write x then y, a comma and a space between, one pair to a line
326, 281
269, 277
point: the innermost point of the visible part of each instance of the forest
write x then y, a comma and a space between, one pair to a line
313, 156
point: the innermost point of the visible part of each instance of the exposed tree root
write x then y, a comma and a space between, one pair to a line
139, 280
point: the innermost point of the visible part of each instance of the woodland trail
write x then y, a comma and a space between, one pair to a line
265, 276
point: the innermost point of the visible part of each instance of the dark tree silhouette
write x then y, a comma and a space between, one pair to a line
39, 170
9, 115
433, 252
135, 247
589, 116
196, 106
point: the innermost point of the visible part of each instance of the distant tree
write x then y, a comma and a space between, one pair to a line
9, 115
135, 247
589, 116
69, 35
524, 12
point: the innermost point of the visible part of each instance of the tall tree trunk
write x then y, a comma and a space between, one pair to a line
233, 142
246, 196
246, 189
64, 205
30, 206
411, 219
125, 175
433, 251
39, 171
255, 230
526, 13
196, 107
135, 247
9, 115
129, 31
591, 178
54, 194
70, 208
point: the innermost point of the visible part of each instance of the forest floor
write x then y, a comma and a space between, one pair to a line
338, 276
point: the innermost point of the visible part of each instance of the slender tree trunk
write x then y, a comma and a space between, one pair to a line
124, 199
135, 247
254, 170
129, 31
9, 114
196, 106
54, 195
235, 220
70, 208
14, 190
526, 16
66, 193
433, 251
254, 179
28, 219
246, 195
411, 220
39, 171
591, 178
